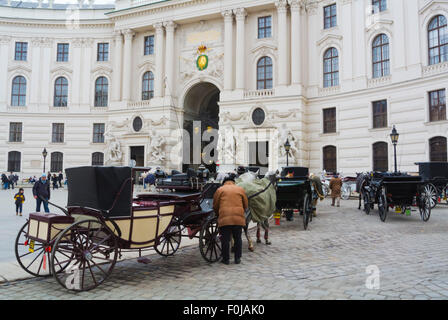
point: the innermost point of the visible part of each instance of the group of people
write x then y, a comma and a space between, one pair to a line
8, 181
56, 180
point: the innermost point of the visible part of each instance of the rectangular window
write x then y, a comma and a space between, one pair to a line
379, 112
149, 45
102, 52
15, 132
62, 54
330, 16
329, 120
437, 105
379, 5
58, 133
264, 27
21, 51
98, 133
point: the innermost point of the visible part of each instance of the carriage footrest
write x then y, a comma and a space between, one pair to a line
45, 227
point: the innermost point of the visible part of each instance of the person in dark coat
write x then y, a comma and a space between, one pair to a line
230, 203
54, 180
60, 178
11, 181
5, 181
41, 189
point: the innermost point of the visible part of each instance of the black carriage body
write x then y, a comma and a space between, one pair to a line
433, 170
292, 187
402, 190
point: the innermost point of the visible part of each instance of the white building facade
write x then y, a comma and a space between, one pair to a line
100, 85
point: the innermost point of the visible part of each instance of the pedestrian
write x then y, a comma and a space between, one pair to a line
60, 178
11, 181
49, 176
336, 186
317, 184
5, 181
19, 199
54, 179
230, 203
41, 192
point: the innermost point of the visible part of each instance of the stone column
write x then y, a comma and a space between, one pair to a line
296, 42
118, 58
228, 49
170, 26
127, 64
282, 42
5, 42
240, 15
159, 43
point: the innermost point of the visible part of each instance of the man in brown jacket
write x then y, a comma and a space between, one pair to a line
230, 202
336, 186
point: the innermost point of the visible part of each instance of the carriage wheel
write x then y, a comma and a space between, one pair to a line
170, 241
36, 263
346, 191
366, 202
382, 206
325, 190
431, 190
91, 249
425, 207
210, 241
307, 210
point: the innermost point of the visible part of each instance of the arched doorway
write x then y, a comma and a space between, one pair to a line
200, 104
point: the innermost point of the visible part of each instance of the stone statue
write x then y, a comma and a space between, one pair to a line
284, 133
156, 146
113, 152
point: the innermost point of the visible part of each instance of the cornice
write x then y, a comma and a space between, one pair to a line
56, 24
327, 38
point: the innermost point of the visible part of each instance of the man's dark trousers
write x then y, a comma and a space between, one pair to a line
226, 233
38, 202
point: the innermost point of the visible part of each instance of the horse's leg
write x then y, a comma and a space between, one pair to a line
258, 233
359, 198
266, 235
249, 240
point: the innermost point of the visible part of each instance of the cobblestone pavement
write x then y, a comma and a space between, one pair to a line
328, 261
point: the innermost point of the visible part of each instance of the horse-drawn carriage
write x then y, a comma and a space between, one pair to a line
398, 191
296, 191
435, 175
103, 219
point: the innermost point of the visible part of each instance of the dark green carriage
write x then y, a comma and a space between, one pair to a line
295, 192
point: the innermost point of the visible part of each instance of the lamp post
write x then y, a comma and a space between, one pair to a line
394, 138
287, 146
44, 154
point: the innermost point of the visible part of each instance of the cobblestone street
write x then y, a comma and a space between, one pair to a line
328, 261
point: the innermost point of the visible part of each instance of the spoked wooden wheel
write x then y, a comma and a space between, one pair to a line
210, 241
382, 206
307, 210
346, 191
170, 241
91, 250
366, 202
34, 257
431, 190
425, 206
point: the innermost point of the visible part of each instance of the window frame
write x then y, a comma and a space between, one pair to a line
21, 92
325, 159
378, 114
265, 80
379, 6
325, 122
101, 98
431, 59
332, 18
57, 132
441, 113
102, 54
333, 73
15, 131
62, 52
377, 159
95, 162
383, 62
148, 83
98, 135
56, 165
22, 53
60, 92
443, 154
264, 29
16, 163
148, 47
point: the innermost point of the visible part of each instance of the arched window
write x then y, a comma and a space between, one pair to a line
264, 73
437, 149
14, 161
331, 68
101, 92
60, 92
380, 56
18, 92
97, 159
438, 40
329, 155
56, 161
380, 157
148, 86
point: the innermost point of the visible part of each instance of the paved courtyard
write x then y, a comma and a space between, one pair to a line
328, 261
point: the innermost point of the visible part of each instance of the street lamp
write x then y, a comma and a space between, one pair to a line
44, 154
287, 146
394, 138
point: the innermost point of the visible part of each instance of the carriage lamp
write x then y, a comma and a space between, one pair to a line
287, 146
44, 154
394, 138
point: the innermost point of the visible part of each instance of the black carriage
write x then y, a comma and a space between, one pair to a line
398, 191
435, 175
103, 220
295, 192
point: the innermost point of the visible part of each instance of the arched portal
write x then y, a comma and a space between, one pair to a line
200, 107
